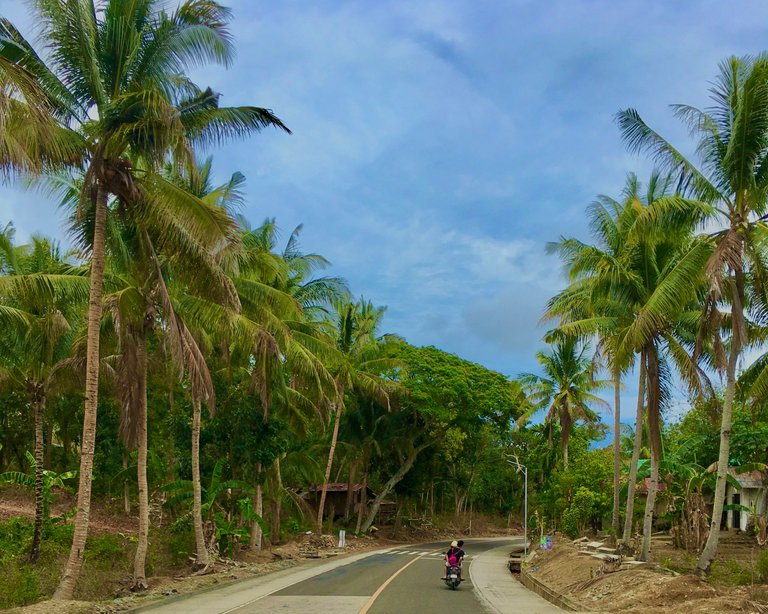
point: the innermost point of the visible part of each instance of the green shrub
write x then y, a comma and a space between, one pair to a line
761, 566
15, 536
182, 524
19, 581
293, 525
180, 545
730, 573
582, 508
103, 547
58, 533
20, 585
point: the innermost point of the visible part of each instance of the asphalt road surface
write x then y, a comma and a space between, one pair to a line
403, 580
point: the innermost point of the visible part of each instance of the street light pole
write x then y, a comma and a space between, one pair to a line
524, 469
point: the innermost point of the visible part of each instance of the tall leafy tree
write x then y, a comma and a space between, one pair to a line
304, 383
729, 187
458, 408
274, 341
141, 299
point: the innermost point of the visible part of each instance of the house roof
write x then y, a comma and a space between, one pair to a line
645, 484
751, 479
334, 487
342, 487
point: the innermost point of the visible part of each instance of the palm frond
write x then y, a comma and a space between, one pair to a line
640, 138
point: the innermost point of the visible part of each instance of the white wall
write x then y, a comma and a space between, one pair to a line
749, 497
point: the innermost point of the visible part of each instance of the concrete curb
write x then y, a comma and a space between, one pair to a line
551, 595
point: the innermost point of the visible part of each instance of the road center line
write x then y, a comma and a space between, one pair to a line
379, 590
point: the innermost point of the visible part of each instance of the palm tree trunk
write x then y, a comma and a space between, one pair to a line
650, 505
737, 317
126, 487
432, 499
66, 588
566, 424
654, 432
276, 501
39, 409
630, 509
615, 522
258, 508
331, 452
203, 560
47, 444
565, 433
140, 560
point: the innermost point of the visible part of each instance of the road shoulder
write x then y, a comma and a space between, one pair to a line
501, 593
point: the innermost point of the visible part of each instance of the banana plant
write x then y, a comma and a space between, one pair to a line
51, 479
212, 510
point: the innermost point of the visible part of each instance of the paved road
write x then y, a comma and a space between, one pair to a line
415, 588
402, 580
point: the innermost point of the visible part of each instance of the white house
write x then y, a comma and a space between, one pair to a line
751, 495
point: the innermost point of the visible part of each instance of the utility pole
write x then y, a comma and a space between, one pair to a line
524, 469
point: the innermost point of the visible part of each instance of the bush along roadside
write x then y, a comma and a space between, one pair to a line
106, 563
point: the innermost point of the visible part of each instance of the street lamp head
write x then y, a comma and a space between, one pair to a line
518, 464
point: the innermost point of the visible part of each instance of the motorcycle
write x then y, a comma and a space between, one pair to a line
452, 577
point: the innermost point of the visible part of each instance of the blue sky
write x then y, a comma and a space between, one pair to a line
439, 145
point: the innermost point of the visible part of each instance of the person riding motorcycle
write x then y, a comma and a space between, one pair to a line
454, 556
460, 557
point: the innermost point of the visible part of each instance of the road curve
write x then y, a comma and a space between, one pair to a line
403, 580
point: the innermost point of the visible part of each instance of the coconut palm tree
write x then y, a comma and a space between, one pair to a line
273, 340
142, 281
565, 390
32, 139
623, 277
603, 297
41, 297
730, 188
145, 257
114, 79
295, 382
310, 348
592, 300
266, 338
362, 359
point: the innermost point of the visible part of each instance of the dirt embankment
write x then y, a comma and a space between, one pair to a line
601, 586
